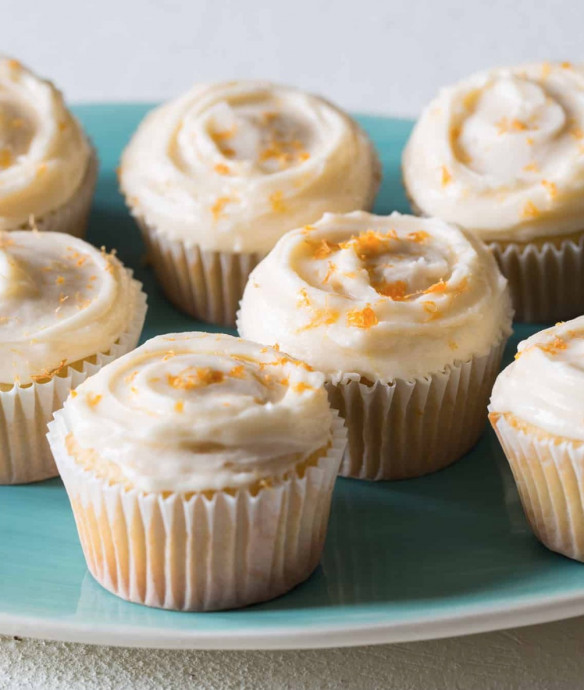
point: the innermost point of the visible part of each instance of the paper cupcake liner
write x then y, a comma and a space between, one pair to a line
72, 216
549, 473
206, 284
410, 428
197, 552
547, 281
25, 455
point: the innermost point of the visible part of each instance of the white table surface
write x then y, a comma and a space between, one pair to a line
546, 657
386, 56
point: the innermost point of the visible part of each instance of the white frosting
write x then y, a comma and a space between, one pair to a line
502, 153
198, 411
44, 154
544, 386
61, 300
233, 166
384, 297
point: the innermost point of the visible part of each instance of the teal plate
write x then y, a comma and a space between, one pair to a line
447, 554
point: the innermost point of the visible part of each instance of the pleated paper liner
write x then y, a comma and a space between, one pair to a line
411, 428
25, 411
546, 278
72, 216
205, 284
201, 551
549, 473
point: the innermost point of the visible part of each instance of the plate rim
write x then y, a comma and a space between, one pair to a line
475, 620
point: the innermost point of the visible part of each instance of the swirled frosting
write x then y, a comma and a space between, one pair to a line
502, 153
544, 386
233, 166
61, 300
384, 297
43, 152
198, 411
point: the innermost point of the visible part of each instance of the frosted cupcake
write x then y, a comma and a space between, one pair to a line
537, 411
48, 169
502, 154
407, 318
66, 309
217, 176
200, 469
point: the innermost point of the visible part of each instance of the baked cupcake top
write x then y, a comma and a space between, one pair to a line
544, 386
61, 300
43, 151
233, 166
502, 153
197, 411
383, 297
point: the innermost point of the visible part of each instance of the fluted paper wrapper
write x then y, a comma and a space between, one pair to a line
205, 284
549, 474
200, 552
25, 455
72, 216
547, 281
411, 428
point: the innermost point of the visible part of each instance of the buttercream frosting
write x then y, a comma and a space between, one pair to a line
544, 386
233, 166
502, 153
44, 154
61, 300
384, 297
198, 411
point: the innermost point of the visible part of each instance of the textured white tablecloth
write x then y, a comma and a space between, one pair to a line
546, 657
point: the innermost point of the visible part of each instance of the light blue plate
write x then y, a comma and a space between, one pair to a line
444, 555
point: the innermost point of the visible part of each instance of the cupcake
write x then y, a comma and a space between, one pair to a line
217, 176
537, 411
48, 168
406, 317
66, 309
501, 154
200, 470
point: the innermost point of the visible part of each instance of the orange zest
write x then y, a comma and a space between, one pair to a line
331, 269
277, 201
219, 206
324, 248
300, 387
48, 374
419, 236
93, 399
321, 317
438, 287
362, 318
237, 372
199, 378
396, 291
551, 188
369, 243
530, 210
557, 345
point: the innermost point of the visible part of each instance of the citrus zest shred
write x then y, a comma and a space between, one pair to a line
362, 318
